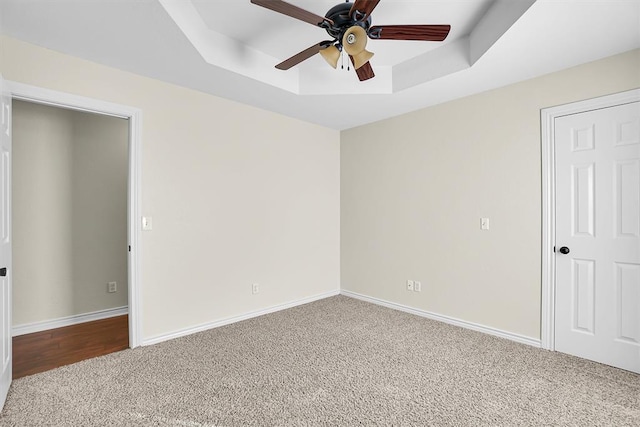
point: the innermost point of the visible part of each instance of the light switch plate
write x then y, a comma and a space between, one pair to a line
147, 223
484, 223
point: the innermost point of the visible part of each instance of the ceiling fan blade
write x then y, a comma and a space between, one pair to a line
302, 56
292, 11
365, 72
434, 33
361, 9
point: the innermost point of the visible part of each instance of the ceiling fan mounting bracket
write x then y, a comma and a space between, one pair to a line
358, 16
374, 33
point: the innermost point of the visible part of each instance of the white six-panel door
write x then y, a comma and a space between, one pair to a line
597, 308
5, 244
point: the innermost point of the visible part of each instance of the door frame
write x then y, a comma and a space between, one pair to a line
53, 98
547, 120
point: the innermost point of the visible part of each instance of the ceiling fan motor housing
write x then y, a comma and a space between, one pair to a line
342, 21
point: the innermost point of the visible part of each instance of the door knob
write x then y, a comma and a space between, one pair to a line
564, 250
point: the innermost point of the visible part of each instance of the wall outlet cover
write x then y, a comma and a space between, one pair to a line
409, 285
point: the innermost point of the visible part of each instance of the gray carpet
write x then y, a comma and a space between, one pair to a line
337, 362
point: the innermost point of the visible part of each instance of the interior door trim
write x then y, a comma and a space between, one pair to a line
44, 96
547, 121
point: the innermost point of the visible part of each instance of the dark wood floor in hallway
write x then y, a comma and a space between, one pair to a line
45, 350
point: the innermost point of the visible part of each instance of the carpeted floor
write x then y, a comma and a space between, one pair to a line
336, 362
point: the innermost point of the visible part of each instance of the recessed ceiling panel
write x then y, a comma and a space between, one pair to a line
280, 36
250, 40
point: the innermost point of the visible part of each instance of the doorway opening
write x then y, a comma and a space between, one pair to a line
91, 282
69, 180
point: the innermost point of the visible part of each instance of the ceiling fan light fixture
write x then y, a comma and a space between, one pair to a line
331, 54
354, 40
362, 58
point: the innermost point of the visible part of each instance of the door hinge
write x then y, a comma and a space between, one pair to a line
554, 248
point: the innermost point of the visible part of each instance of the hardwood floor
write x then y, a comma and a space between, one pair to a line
41, 351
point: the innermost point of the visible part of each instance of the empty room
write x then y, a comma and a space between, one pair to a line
279, 213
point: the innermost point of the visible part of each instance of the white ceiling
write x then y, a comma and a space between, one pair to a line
229, 47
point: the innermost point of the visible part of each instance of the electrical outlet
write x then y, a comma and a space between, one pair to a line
417, 286
255, 288
409, 285
112, 287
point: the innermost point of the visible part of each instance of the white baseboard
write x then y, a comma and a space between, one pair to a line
446, 319
29, 328
226, 321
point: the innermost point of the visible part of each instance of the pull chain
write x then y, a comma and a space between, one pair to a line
342, 62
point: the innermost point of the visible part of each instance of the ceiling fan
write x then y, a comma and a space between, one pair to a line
349, 24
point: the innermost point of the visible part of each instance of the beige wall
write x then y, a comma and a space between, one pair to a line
69, 212
100, 188
238, 195
413, 190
